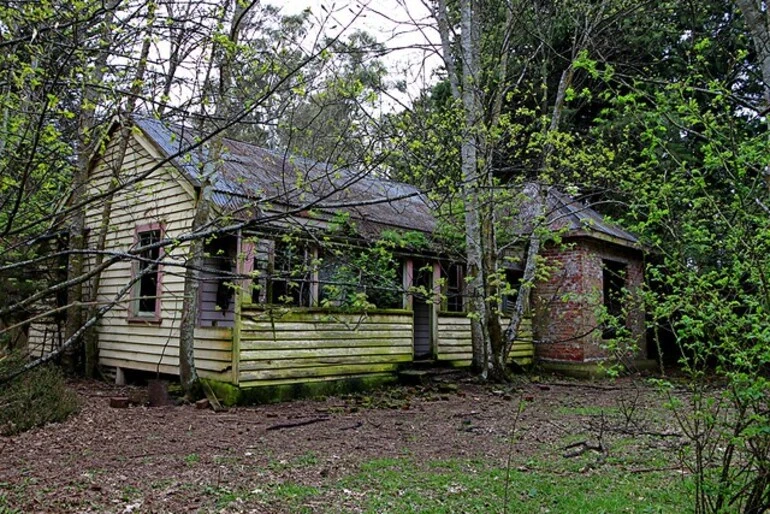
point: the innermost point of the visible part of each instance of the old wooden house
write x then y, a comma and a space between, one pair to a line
275, 306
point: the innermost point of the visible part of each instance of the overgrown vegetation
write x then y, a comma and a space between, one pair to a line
656, 111
689, 169
33, 399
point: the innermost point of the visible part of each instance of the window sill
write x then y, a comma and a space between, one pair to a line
140, 320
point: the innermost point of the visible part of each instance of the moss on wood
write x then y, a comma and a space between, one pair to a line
256, 393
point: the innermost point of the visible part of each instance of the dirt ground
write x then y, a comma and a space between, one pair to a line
142, 459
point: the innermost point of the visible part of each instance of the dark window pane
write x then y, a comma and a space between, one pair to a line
455, 286
148, 284
289, 276
614, 279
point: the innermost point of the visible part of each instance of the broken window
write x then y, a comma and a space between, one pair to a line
513, 280
455, 287
146, 302
386, 290
613, 282
216, 291
289, 275
333, 287
346, 276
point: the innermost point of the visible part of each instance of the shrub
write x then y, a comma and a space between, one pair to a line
35, 398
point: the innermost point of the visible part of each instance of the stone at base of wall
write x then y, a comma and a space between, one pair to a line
229, 394
644, 365
594, 369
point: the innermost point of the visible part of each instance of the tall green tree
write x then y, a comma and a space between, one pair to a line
512, 71
689, 154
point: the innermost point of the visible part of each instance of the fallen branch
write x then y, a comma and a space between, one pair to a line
281, 426
582, 447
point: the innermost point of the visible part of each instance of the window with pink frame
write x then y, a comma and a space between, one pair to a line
145, 303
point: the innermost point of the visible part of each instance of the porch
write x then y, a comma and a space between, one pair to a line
281, 353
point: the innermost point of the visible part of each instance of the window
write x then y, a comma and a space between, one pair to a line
289, 276
334, 283
348, 275
513, 279
613, 281
455, 287
384, 286
216, 290
146, 291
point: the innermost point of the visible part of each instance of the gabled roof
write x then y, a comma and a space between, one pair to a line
247, 173
564, 212
582, 218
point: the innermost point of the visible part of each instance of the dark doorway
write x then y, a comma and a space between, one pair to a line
422, 305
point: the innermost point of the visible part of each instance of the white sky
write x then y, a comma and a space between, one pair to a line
404, 26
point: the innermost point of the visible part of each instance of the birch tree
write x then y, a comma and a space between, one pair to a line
482, 81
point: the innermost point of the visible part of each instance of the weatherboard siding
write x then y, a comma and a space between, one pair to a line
162, 198
455, 345
44, 337
314, 345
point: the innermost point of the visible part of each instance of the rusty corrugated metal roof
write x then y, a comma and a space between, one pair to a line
246, 173
564, 212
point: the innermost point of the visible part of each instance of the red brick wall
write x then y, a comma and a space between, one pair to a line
566, 305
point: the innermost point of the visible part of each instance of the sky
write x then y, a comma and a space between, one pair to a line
405, 27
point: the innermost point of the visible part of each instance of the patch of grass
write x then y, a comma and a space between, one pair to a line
130, 492
402, 485
5, 508
162, 483
192, 459
290, 496
588, 411
295, 491
305, 460
224, 496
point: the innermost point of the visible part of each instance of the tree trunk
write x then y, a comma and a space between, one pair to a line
187, 371
498, 369
471, 189
521, 307
758, 24
91, 336
481, 246
86, 145
188, 374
